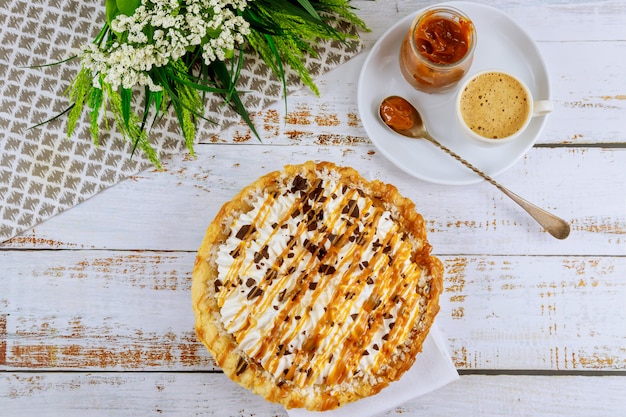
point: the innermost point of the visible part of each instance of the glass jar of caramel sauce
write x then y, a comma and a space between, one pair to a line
438, 49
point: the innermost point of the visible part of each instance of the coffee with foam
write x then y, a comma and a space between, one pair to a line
495, 105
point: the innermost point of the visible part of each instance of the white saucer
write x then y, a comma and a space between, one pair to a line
501, 44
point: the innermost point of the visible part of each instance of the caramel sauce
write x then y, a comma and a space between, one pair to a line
441, 40
397, 113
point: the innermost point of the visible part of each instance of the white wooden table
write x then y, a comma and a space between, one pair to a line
95, 312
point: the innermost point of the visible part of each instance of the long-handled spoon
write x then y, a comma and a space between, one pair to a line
408, 122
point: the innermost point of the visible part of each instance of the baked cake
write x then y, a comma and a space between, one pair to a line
314, 287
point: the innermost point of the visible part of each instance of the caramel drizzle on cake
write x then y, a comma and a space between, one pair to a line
317, 284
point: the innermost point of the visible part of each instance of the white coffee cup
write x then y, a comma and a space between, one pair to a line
495, 107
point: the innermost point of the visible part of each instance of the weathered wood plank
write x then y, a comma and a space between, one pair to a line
105, 310
170, 210
98, 310
172, 394
562, 21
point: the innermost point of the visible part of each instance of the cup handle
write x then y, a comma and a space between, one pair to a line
542, 107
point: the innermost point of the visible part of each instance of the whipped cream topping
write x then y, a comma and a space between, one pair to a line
317, 284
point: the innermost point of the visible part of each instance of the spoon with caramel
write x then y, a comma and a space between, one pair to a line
400, 115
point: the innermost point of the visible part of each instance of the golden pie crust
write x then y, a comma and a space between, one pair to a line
342, 305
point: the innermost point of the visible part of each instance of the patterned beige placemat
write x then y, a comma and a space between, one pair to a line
42, 172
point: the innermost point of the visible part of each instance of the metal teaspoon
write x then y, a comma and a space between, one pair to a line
415, 128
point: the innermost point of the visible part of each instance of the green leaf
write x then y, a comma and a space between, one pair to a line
77, 92
284, 31
51, 64
127, 96
223, 75
127, 7
309, 8
132, 129
95, 104
186, 104
52, 118
279, 65
197, 83
111, 10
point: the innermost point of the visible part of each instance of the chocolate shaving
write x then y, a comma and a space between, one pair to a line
255, 292
326, 269
317, 192
351, 209
250, 282
299, 184
245, 231
310, 246
264, 253
271, 275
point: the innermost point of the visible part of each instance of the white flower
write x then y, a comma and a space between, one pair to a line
162, 31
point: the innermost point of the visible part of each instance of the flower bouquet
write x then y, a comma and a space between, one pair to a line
155, 55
